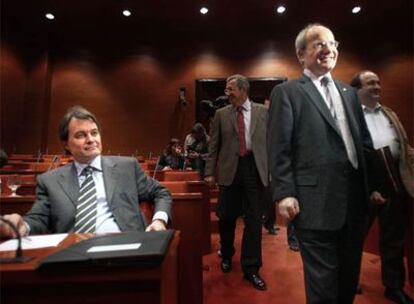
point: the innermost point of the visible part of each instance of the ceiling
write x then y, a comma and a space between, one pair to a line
164, 20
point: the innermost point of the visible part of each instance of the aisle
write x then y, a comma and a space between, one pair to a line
282, 271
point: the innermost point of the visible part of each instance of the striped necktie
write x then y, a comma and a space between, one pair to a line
85, 220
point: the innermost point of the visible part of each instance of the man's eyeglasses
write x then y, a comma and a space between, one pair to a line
319, 45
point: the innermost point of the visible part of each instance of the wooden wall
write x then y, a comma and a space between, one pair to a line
133, 87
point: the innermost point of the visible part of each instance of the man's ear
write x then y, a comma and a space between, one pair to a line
300, 54
65, 147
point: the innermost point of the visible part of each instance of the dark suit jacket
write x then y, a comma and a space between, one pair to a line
307, 156
125, 185
224, 144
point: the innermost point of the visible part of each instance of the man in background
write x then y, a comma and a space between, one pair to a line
238, 149
391, 208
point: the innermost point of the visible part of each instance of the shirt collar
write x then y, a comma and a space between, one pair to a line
372, 110
95, 163
246, 105
315, 78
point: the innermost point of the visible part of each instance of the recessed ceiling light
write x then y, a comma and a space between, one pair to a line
281, 9
126, 13
204, 10
356, 9
50, 16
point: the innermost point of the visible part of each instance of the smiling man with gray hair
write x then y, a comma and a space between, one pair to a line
316, 135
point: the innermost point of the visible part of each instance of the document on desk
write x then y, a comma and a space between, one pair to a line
34, 242
119, 247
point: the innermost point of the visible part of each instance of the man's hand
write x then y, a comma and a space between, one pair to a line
289, 207
377, 198
17, 221
210, 180
156, 225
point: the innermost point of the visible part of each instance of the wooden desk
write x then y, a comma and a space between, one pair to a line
20, 283
187, 213
22, 171
194, 187
16, 204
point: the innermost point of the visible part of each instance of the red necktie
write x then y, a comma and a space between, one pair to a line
241, 131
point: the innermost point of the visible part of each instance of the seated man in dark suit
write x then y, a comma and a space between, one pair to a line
94, 194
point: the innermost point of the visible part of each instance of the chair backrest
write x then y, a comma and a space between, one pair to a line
174, 175
28, 186
176, 186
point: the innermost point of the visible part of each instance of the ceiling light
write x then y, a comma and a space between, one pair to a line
126, 13
356, 9
204, 10
281, 9
50, 16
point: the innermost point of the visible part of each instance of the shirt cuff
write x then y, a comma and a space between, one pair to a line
27, 228
160, 215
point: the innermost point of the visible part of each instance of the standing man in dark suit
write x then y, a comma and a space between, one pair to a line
316, 136
238, 149
94, 194
391, 208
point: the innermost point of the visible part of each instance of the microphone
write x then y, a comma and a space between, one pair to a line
18, 258
156, 166
55, 159
39, 156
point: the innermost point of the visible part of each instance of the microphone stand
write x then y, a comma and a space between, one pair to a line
18, 258
55, 159
156, 166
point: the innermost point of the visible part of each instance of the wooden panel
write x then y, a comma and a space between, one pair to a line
115, 284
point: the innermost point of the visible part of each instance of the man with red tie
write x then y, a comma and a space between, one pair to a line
237, 156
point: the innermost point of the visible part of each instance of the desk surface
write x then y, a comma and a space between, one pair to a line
155, 285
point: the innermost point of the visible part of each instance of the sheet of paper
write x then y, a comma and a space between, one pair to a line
120, 247
34, 242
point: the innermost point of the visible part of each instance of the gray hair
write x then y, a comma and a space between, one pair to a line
241, 81
301, 38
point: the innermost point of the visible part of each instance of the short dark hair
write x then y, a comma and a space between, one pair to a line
198, 128
356, 81
77, 112
168, 149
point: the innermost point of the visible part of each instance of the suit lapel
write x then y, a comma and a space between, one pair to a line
348, 110
232, 114
69, 182
253, 118
110, 175
318, 102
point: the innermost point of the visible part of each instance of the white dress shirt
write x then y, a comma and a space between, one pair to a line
105, 221
381, 129
318, 84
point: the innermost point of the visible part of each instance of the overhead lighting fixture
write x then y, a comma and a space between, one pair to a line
50, 16
204, 10
356, 9
281, 9
126, 13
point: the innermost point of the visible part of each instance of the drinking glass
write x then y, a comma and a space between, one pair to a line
14, 182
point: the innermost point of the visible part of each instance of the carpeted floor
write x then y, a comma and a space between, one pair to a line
282, 271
